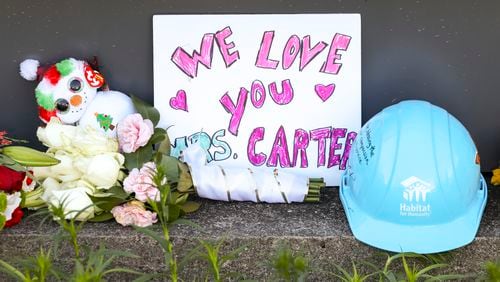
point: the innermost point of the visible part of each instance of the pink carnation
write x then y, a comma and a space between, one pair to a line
134, 213
134, 132
140, 182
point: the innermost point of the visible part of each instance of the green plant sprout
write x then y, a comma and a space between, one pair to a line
3, 207
38, 268
412, 273
89, 265
356, 276
97, 264
170, 206
214, 258
288, 266
492, 269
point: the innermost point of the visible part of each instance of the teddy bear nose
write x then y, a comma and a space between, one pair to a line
75, 100
62, 105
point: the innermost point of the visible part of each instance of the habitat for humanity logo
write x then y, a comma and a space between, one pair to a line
415, 195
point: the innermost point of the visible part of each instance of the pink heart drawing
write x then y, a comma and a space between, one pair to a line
179, 101
324, 91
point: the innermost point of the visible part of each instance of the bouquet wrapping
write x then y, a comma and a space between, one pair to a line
239, 184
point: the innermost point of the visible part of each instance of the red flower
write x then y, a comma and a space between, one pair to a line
17, 215
11, 180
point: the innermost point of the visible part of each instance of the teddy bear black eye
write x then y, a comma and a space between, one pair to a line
62, 105
75, 85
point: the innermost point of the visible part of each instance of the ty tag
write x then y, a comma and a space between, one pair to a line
93, 77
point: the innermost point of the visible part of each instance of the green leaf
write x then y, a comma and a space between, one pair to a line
157, 157
236, 252
4, 160
10, 163
3, 207
123, 270
139, 157
165, 146
105, 216
190, 206
457, 277
147, 111
192, 254
180, 198
12, 271
117, 192
185, 182
492, 269
107, 203
2, 220
171, 168
174, 212
431, 267
3, 202
157, 137
153, 235
391, 277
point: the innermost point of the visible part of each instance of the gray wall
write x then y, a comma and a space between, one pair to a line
446, 52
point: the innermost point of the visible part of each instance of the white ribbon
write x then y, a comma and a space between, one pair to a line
215, 182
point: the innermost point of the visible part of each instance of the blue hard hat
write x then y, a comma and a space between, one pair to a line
413, 182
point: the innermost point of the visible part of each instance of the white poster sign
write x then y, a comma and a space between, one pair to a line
267, 91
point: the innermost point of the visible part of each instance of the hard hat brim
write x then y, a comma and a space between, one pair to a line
422, 239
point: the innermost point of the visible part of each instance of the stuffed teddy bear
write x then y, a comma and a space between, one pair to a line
68, 90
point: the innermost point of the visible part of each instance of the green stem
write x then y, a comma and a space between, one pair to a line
170, 250
314, 192
70, 228
216, 272
75, 245
12, 270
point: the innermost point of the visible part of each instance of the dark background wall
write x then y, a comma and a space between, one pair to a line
446, 52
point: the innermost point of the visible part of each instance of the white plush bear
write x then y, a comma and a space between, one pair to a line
68, 91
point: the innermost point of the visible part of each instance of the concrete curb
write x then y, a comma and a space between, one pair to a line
319, 231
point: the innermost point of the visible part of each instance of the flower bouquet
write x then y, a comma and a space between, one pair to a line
119, 178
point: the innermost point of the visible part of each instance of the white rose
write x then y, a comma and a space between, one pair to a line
13, 201
101, 170
49, 185
65, 171
73, 196
85, 140
90, 142
55, 134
